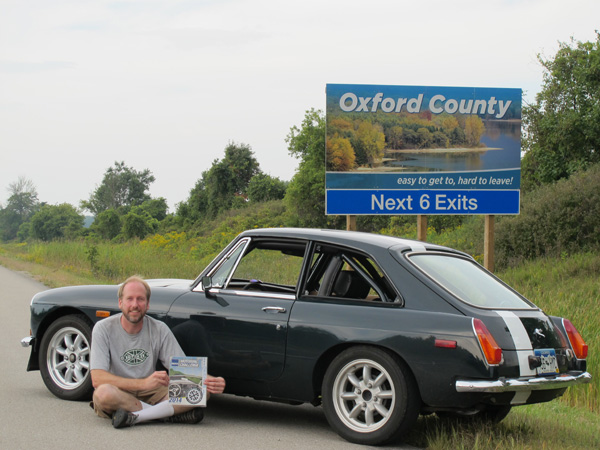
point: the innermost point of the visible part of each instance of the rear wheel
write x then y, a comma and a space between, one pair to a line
369, 396
64, 358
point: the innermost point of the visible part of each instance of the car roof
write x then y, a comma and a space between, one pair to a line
348, 238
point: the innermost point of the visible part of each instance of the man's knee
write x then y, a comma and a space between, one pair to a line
105, 394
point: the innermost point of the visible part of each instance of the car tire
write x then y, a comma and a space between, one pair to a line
370, 396
64, 358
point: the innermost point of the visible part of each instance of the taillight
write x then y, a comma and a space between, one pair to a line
491, 350
577, 343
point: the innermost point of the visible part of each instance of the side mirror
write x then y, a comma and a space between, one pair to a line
207, 285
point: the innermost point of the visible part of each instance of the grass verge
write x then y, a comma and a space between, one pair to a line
551, 425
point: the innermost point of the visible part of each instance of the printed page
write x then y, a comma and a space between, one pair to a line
186, 380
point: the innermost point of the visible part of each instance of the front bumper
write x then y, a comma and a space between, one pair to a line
33, 363
523, 384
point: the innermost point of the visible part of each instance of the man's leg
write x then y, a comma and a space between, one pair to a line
163, 409
108, 398
128, 410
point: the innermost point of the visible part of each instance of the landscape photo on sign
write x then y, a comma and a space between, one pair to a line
375, 129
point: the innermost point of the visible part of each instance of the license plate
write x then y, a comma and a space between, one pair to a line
548, 359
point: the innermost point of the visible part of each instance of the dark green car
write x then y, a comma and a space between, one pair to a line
374, 328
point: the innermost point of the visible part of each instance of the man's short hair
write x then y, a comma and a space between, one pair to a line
138, 279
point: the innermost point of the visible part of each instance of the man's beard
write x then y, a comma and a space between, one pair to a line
134, 321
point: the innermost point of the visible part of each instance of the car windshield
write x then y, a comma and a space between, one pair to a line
468, 281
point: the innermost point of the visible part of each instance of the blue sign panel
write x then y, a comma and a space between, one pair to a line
412, 141
426, 202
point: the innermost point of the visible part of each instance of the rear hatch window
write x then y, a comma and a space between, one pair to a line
468, 281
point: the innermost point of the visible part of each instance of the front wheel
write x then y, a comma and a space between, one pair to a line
64, 358
369, 396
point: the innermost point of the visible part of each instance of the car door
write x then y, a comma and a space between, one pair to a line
241, 320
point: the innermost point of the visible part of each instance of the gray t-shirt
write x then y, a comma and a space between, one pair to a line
132, 355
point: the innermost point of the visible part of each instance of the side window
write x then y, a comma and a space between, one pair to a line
269, 266
220, 276
338, 273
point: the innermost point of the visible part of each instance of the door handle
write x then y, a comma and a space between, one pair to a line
273, 309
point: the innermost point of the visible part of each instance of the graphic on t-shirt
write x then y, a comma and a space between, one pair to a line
134, 356
186, 380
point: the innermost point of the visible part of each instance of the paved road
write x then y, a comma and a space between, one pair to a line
32, 418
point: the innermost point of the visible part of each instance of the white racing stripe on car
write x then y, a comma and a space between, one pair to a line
520, 398
521, 340
524, 349
517, 330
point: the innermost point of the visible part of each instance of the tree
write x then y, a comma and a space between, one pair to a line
156, 208
241, 165
107, 224
447, 122
457, 137
196, 206
394, 137
23, 198
138, 223
222, 187
226, 182
340, 154
562, 126
121, 186
371, 141
9, 224
425, 137
22, 204
305, 196
474, 129
56, 222
440, 140
263, 188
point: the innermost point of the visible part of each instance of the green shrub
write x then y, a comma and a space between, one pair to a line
557, 219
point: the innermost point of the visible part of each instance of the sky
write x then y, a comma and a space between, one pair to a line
166, 85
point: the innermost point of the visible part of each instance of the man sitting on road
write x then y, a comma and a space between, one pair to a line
124, 353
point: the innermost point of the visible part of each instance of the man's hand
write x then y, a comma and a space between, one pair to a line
214, 385
156, 379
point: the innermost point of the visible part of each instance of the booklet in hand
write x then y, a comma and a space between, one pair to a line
186, 380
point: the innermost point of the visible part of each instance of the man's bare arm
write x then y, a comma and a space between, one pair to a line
155, 380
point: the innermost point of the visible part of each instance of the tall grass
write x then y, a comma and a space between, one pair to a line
541, 426
168, 256
568, 287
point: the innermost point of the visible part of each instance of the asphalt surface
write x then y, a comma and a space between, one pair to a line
32, 418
